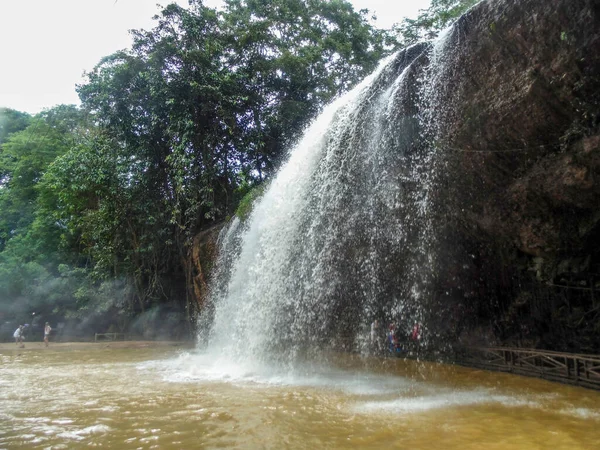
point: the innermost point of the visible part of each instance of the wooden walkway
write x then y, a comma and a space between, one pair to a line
581, 370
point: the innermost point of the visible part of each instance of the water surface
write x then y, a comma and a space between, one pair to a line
168, 398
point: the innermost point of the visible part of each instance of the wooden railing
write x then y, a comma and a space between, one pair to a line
579, 369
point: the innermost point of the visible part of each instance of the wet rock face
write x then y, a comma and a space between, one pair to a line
501, 141
519, 163
203, 258
524, 114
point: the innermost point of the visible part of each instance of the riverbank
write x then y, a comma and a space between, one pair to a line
5, 346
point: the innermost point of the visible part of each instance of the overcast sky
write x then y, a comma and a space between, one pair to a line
46, 45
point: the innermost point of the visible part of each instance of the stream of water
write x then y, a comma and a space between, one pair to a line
168, 398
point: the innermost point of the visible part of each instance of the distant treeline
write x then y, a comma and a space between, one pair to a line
99, 204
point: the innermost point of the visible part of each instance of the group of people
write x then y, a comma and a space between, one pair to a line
19, 334
393, 342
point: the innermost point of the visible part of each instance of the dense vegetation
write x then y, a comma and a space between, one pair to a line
100, 204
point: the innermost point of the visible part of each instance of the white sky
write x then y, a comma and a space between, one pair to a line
46, 45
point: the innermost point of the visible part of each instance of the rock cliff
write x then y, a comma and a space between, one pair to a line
519, 171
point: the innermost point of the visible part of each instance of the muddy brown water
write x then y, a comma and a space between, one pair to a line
170, 398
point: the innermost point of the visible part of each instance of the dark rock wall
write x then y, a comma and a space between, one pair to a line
519, 172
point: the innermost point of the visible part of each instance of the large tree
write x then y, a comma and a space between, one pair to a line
292, 57
204, 104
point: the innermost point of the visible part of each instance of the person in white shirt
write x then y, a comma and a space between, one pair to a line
47, 330
18, 335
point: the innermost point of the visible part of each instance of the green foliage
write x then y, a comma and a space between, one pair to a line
29, 243
32, 286
24, 158
12, 121
292, 57
248, 200
440, 14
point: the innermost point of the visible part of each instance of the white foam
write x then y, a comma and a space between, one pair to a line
203, 368
583, 413
37, 419
62, 421
71, 435
94, 429
444, 399
370, 393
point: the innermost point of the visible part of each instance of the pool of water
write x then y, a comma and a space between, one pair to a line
168, 398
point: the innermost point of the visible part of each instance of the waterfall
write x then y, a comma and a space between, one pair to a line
342, 234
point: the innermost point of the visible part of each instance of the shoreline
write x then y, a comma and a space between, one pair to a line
11, 346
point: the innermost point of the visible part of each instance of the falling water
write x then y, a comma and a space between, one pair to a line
342, 235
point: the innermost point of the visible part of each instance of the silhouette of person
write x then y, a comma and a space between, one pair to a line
18, 335
47, 330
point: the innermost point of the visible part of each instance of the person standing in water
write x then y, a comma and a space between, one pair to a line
18, 335
47, 330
